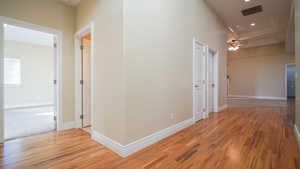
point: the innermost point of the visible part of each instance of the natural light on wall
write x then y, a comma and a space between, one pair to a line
12, 71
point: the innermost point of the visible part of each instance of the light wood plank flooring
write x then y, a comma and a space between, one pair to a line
237, 138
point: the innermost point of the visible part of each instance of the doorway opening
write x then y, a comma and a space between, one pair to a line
84, 77
30, 76
290, 81
86, 81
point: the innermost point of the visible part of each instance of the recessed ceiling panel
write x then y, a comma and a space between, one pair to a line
252, 10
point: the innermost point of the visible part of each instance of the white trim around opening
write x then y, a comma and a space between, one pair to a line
88, 29
58, 67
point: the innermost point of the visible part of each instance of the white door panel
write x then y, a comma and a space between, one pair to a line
199, 74
210, 81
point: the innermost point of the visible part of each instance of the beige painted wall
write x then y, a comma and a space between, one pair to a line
259, 71
37, 72
50, 13
297, 33
109, 93
143, 62
159, 54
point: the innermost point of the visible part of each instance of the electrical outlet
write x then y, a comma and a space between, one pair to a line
172, 116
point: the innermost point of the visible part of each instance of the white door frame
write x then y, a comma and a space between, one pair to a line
285, 71
58, 67
216, 80
88, 29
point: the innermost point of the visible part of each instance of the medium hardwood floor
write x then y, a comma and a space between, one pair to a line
238, 138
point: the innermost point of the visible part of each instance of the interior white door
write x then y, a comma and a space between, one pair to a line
86, 71
199, 87
210, 80
55, 86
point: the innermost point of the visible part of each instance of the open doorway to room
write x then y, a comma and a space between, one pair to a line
86, 81
30, 81
84, 77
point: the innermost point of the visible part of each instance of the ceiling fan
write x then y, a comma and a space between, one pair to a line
235, 44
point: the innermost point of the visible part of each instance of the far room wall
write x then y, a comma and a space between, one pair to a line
259, 71
37, 66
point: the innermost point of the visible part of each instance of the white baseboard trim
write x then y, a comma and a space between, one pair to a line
221, 108
257, 97
297, 134
29, 106
69, 125
109, 143
140, 144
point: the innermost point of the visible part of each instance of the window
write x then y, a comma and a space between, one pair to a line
12, 71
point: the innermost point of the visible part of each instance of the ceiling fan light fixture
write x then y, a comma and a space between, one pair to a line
253, 24
231, 48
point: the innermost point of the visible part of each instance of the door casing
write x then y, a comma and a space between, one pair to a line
88, 29
58, 68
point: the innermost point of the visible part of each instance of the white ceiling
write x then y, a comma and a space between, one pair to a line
271, 24
71, 2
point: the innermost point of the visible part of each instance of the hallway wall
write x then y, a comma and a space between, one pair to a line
159, 54
37, 75
259, 71
109, 91
143, 61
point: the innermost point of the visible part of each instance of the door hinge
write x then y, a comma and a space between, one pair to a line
81, 47
81, 116
55, 82
55, 118
55, 45
81, 82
